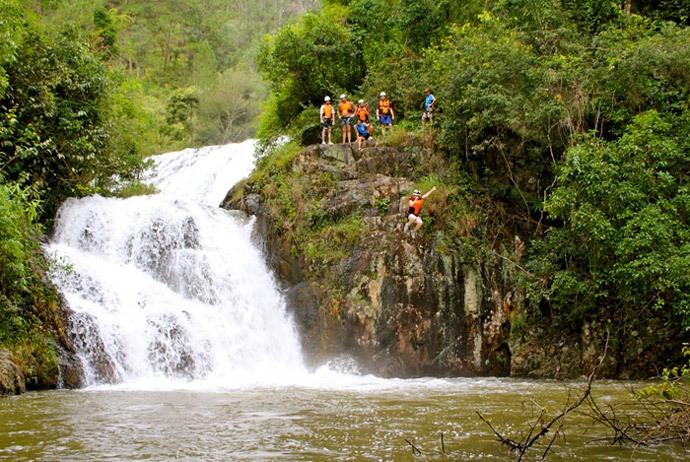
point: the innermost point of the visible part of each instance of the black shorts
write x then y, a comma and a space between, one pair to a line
327, 122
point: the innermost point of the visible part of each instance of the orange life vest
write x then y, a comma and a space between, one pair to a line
346, 108
328, 110
415, 205
384, 106
363, 112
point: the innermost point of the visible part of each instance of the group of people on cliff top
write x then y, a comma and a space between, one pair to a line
363, 129
385, 114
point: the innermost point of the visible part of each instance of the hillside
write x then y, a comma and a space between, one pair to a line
89, 90
330, 219
563, 131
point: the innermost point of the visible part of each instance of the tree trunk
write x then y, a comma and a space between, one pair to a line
166, 52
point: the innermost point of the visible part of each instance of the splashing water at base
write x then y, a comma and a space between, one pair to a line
169, 288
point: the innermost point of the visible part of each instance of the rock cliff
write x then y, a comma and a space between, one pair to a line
399, 306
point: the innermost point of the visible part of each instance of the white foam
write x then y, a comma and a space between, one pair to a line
171, 285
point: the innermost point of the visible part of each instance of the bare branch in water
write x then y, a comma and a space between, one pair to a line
521, 447
415, 450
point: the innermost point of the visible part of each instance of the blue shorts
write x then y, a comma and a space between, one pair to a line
346, 120
385, 119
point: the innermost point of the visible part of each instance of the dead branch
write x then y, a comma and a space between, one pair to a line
656, 421
415, 450
531, 438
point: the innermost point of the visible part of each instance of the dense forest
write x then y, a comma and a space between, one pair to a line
570, 116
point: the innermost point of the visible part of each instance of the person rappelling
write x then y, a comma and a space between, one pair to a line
414, 207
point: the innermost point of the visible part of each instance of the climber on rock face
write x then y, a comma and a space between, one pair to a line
414, 207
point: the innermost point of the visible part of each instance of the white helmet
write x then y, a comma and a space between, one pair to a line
327, 98
342, 96
417, 192
383, 93
361, 101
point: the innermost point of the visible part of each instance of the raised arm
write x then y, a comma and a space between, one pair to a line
429, 192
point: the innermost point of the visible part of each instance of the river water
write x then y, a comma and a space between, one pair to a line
190, 355
333, 418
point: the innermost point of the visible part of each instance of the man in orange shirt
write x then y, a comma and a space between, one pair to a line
345, 111
326, 117
362, 111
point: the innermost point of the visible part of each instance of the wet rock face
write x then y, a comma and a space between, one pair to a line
71, 332
395, 303
420, 314
83, 335
12, 380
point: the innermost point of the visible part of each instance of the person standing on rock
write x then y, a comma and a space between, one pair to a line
326, 117
362, 111
345, 111
385, 114
414, 207
429, 103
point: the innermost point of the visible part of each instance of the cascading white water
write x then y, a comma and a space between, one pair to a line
169, 287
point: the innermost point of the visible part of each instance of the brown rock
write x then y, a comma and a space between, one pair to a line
12, 380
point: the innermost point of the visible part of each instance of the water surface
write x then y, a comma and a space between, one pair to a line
351, 419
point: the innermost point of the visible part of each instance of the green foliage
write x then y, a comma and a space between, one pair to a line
382, 205
581, 104
624, 242
280, 160
592, 15
18, 232
228, 111
179, 114
25, 304
38, 360
133, 131
638, 68
674, 385
359, 48
174, 45
308, 61
668, 10
334, 241
297, 204
10, 37
55, 115
105, 31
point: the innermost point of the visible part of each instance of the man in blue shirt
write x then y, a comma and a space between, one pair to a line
429, 102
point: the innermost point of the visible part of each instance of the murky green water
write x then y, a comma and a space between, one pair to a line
361, 420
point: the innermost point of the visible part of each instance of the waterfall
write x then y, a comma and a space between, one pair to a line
169, 287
